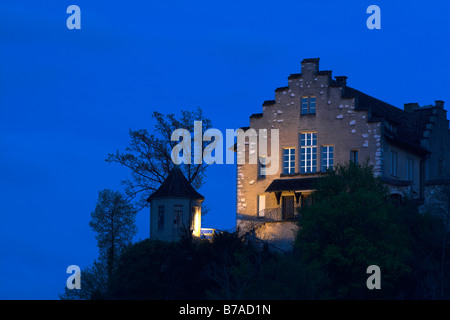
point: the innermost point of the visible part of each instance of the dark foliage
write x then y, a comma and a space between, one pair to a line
350, 224
157, 270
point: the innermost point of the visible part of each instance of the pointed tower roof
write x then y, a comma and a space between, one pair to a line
175, 185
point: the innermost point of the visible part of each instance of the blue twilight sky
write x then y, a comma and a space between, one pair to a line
69, 97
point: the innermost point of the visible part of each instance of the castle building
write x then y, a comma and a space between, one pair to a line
174, 207
322, 122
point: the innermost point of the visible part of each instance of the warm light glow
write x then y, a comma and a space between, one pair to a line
197, 222
207, 233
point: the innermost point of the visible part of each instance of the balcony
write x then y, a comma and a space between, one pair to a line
277, 214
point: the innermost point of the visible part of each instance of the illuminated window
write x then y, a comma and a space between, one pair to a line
196, 221
308, 152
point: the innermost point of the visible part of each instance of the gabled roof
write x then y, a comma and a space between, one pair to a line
409, 125
176, 185
378, 109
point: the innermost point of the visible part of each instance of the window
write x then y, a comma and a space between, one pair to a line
441, 166
394, 163
312, 105
177, 216
308, 105
327, 157
196, 221
289, 161
409, 169
354, 156
306, 200
262, 167
308, 152
160, 217
261, 205
391, 127
305, 105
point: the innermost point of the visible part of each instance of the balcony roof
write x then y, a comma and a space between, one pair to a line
299, 184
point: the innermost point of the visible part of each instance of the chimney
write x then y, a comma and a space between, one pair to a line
409, 107
341, 80
310, 66
439, 104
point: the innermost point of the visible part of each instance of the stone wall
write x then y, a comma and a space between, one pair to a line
279, 235
336, 123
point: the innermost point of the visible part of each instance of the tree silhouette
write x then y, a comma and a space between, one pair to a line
114, 222
351, 224
149, 155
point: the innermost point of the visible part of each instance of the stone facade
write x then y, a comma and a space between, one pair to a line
167, 229
406, 147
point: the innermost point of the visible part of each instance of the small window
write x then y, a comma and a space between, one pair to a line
394, 163
308, 105
391, 127
441, 166
289, 161
261, 205
312, 105
306, 200
354, 156
178, 216
305, 105
327, 157
160, 217
409, 169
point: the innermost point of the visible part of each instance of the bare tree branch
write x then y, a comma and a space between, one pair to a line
148, 156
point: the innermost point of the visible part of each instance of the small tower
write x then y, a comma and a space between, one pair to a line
174, 206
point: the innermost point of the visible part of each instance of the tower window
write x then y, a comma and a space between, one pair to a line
196, 221
178, 216
160, 217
